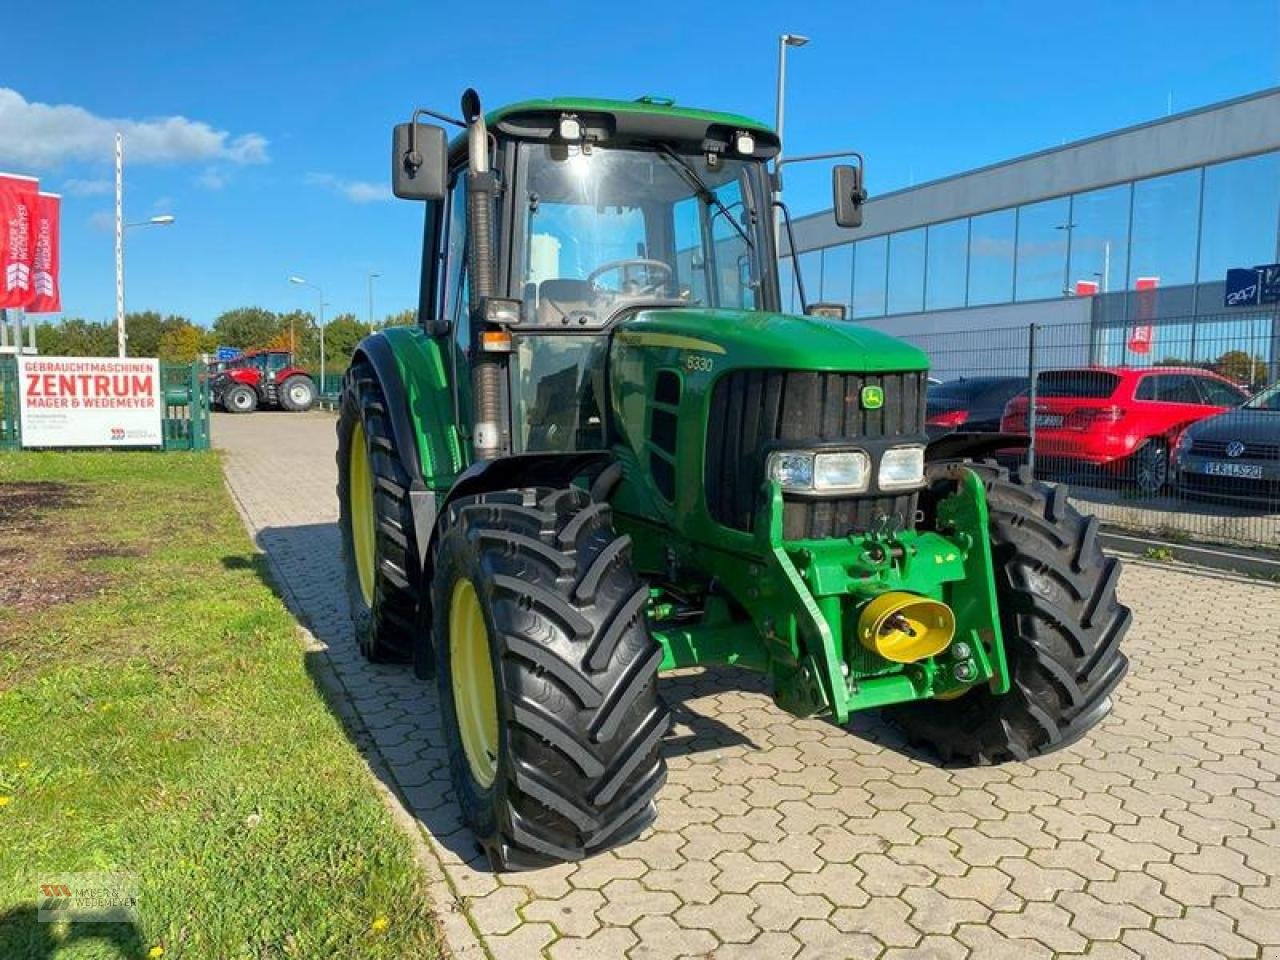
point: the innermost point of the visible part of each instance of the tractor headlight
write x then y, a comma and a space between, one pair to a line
902, 467
803, 471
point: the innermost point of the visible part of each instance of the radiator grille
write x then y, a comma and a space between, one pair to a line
752, 410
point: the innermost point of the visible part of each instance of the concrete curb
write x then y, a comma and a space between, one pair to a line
1256, 564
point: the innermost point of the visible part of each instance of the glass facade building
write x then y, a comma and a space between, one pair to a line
1177, 230
1165, 207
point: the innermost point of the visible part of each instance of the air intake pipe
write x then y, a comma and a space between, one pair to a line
486, 369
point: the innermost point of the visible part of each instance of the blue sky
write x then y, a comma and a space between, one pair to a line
281, 163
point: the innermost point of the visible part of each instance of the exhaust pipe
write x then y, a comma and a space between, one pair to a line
486, 370
906, 627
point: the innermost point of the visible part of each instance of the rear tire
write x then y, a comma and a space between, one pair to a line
297, 394
578, 718
384, 608
1149, 467
240, 399
1061, 623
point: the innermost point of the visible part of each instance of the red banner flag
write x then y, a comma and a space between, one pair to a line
17, 247
1143, 333
44, 265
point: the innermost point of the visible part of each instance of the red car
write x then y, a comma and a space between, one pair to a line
1124, 420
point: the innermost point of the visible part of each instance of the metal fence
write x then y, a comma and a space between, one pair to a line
185, 389
1167, 428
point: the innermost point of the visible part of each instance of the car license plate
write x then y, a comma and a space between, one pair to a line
1247, 471
1048, 419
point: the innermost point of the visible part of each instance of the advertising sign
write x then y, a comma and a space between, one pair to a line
44, 264
1252, 286
227, 354
17, 246
90, 402
1143, 333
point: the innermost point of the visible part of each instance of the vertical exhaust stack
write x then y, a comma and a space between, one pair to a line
486, 370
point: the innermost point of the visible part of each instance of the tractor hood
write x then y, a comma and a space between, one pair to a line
772, 340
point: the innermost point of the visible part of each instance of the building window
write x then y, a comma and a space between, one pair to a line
948, 262
869, 264
991, 244
811, 276
1042, 249
906, 271
1241, 210
786, 284
1164, 230
1099, 240
837, 274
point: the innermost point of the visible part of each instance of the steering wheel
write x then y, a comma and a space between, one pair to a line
633, 265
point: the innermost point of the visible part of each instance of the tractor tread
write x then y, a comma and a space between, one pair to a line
576, 667
385, 631
1061, 622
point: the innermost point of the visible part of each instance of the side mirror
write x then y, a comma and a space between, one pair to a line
419, 162
847, 194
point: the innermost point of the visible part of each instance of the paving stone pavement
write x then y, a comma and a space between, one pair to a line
1157, 836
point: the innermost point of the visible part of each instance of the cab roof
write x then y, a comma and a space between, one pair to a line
646, 118
650, 105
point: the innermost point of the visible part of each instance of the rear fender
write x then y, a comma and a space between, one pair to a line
410, 370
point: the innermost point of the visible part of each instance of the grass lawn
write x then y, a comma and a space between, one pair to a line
157, 719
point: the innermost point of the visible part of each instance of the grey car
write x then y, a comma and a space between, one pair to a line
1235, 455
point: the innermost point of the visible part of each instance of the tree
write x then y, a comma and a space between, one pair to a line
76, 337
181, 342
405, 318
341, 336
249, 328
1240, 366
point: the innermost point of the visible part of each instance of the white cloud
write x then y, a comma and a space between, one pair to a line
38, 135
357, 191
212, 179
103, 220
87, 188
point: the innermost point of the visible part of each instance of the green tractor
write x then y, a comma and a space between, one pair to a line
604, 453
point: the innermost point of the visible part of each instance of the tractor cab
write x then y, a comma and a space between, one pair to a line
594, 211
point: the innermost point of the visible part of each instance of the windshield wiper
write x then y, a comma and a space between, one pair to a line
690, 176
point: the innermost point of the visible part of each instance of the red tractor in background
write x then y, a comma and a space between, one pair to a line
266, 378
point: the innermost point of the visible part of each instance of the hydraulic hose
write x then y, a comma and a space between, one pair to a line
486, 369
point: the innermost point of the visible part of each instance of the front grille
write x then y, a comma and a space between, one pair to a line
753, 410
1252, 451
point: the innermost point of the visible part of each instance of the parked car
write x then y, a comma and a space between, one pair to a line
1235, 455
970, 403
1122, 420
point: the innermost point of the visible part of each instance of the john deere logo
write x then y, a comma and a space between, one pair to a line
872, 398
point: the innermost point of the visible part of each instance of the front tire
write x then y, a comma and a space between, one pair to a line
378, 542
240, 399
297, 394
554, 732
1061, 623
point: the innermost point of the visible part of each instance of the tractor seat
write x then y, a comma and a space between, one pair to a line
563, 298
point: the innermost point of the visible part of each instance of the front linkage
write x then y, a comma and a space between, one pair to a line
865, 621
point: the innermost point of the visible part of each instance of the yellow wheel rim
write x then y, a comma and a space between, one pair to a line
475, 697
360, 494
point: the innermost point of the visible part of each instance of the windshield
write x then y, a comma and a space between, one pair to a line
608, 228
1268, 399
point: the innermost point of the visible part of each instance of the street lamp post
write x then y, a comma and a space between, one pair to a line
162, 220
317, 288
372, 277
784, 41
